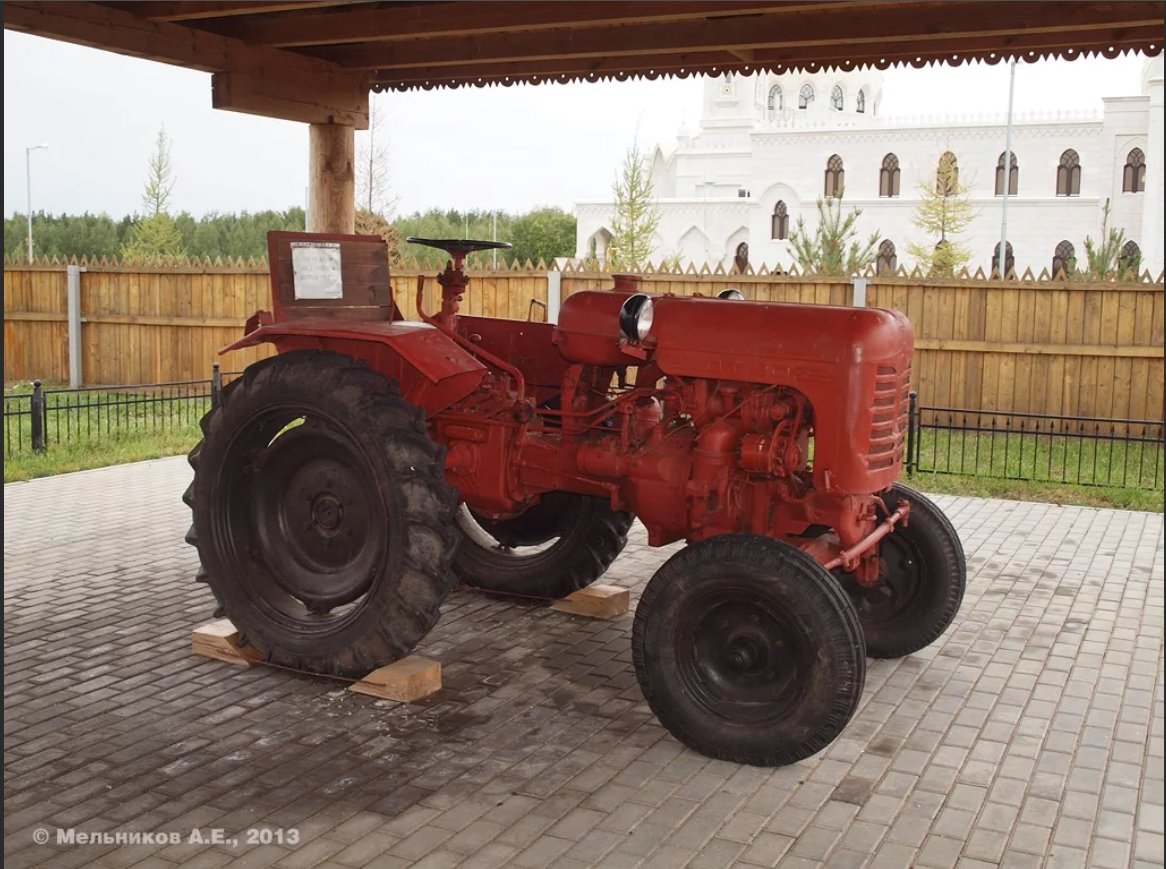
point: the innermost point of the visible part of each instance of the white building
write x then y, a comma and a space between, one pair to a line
770, 145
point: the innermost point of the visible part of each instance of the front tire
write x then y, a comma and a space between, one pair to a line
923, 574
321, 515
748, 651
563, 543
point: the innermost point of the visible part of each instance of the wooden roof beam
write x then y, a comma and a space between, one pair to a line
846, 56
293, 77
195, 10
387, 24
822, 26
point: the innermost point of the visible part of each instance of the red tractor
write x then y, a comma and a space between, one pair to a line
346, 484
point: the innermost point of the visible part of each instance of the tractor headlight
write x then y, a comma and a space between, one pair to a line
635, 317
735, 295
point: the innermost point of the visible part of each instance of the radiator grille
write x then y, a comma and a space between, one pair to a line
889, 411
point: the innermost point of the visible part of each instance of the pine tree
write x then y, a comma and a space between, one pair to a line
944, 211
156, 234
1105, 259
832, 249
636, 215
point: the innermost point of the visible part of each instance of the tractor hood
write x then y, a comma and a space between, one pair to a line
853, 364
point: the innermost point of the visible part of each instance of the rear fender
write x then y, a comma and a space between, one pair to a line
432, 370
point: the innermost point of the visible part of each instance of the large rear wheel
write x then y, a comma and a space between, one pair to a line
748, 651
561, 544
321, 514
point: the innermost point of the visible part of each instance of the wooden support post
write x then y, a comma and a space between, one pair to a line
404, 681
331, 179
596, 602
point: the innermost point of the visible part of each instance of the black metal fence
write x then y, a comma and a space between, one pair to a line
1033, 447
42, 419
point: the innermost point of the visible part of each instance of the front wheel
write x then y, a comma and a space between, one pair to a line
922, 575
748, 651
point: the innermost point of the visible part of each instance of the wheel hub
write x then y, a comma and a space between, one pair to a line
899, 581
316, 514
741, 659
327, 512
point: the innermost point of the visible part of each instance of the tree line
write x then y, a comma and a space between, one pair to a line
540, 234
543, 233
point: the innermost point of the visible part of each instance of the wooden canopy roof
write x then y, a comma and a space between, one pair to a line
316, 60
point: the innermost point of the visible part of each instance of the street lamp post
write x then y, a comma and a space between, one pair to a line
28, 180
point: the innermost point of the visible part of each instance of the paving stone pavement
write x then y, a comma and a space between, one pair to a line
1030, 735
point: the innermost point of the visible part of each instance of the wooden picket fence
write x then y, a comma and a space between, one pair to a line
1066, 347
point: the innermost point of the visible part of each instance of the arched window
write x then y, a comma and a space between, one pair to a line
1013, 175
835, 176
888, 260
741, 258
1069, 174
1009, 259
860, 102
776, 99
1064, 258
889, 177
805, 96
1130, 258
1133, 179
836, 99
780, 221
947, 175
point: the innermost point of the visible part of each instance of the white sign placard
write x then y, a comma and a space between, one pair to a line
316, 270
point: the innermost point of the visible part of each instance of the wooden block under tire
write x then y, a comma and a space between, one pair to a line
220, 640
404, 681
596, 602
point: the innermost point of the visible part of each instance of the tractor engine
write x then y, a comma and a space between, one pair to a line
742, 417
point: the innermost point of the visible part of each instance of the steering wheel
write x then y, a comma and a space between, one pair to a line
458, 247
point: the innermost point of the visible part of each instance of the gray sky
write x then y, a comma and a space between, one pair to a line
510, 148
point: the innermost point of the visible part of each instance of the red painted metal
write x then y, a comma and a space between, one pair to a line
731, 416
848, 558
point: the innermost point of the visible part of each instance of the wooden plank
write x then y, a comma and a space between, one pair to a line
596, 602
133, 320
405, 681
339, 101
194, 10
392, 23
1140, 371
1025, 330
924, 26
1123, 367
116, 30
220, 641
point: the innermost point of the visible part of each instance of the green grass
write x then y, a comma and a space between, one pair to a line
1051, 468
1049, 458
100, 429
1046, 493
